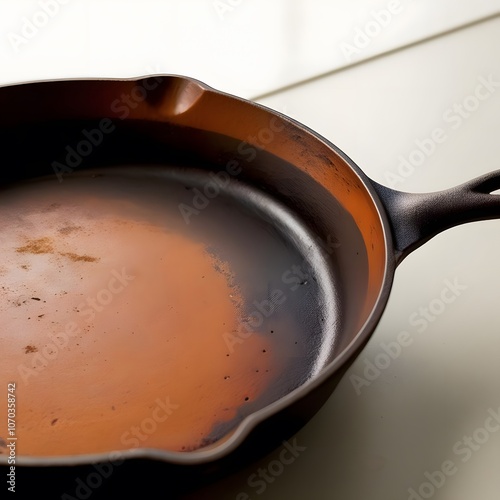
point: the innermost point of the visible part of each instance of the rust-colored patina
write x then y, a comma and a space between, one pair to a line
112, 326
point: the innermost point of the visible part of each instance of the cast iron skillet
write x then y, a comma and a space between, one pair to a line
346, 232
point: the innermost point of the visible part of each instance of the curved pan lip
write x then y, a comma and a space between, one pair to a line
241, 432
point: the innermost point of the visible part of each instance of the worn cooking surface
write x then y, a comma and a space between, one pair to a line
111, 326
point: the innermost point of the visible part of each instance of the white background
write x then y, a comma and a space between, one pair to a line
431, 55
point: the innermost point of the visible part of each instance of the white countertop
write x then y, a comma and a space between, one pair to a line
245, 47
379, 441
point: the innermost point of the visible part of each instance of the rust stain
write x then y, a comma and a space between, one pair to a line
79, 258
38, 246
69, 229
45, 246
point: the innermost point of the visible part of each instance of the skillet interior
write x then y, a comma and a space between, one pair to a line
296, 219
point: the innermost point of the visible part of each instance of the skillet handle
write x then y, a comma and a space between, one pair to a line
416, 217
